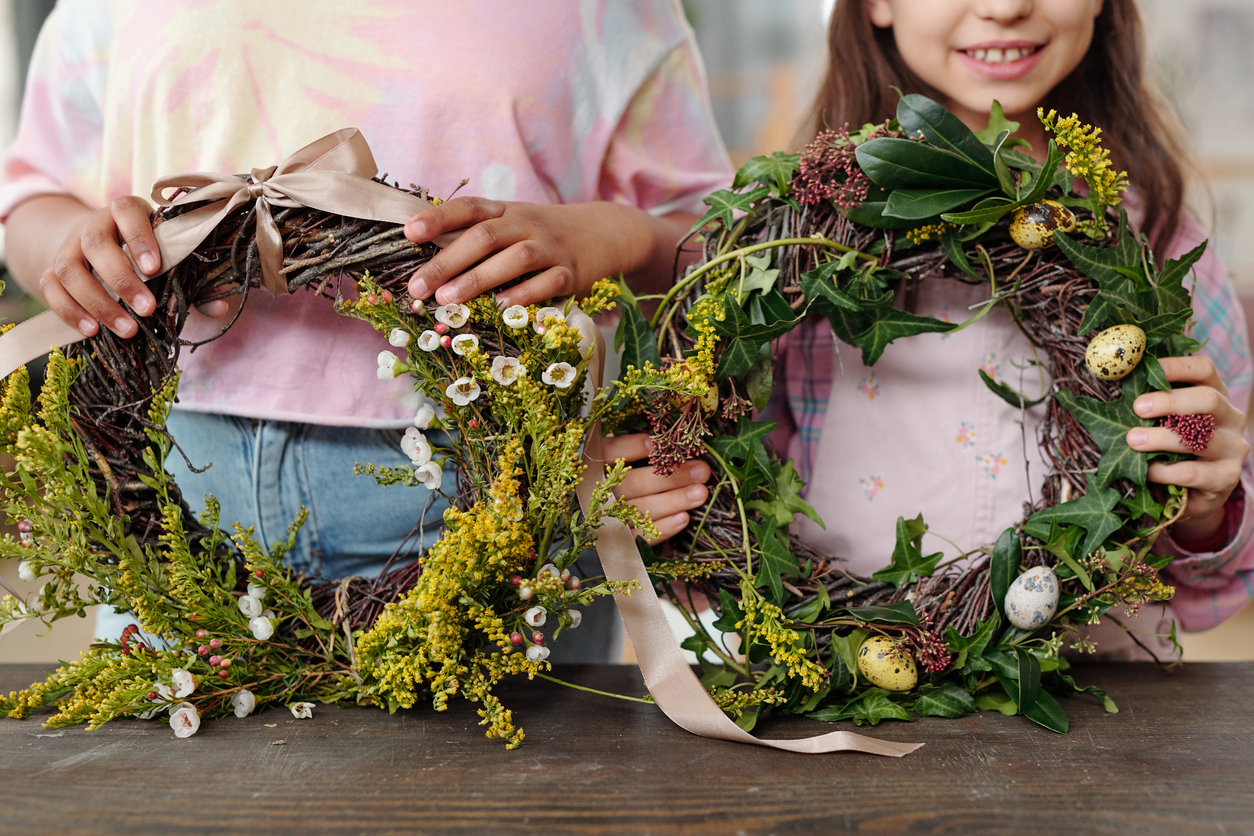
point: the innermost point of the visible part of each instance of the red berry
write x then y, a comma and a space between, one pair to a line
473, 423
537, 637
221, 674
259, 574
200, 634
152, 696
516, 580
203, 650
215, 644
25, 526
126, 651
515, 638
386, 296
441, 328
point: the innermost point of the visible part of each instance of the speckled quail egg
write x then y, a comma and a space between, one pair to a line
1114, 353
887, 665
1032, 599
1032, 227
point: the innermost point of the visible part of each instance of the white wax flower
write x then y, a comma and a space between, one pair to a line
552, 569
454, 316
185, 720
262, 627
389, 365
428, 341
505, 370
250, 605
184, 682
26, 571
430, 475
576, 618
415, 445
399, 337
537, 653
536, 616
587, 329
545, 313
244, 703
164, 692
257, 590
515, 316
302, 710
464, 343
425, 414
463, 390
561, 375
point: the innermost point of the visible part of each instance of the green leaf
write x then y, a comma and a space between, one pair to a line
893, 163
1109, 423
918, 114
1061, 543
969, 650
1158, 328
869, 707
889, 323
1096, 315
1046, 711
1007, 394
818, 284
1093, 691
1045, 177
739, 451
1004, 177
725, 204
997, 702
900, 613
945, 700
785, 500
1004, 566
1154, 374
842, 680
997, 122
847, 648
1169, 286
759, 276
774, 171
760, 379
743, 338
988, 210
956, 255
918, 204
1029, 678
1142, 504
729, 611
908, 563
636, 340
1092, 512
775, 561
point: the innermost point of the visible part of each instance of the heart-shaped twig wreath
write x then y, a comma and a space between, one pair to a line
839, 231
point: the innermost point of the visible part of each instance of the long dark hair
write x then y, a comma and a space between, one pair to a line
1109, 89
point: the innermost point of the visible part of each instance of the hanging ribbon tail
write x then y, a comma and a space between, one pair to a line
13, 625
675, 688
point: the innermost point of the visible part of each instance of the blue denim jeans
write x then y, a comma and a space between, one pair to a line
263, 475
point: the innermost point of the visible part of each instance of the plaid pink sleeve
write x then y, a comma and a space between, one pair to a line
1211, 587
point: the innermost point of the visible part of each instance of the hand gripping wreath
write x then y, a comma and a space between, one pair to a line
834, 232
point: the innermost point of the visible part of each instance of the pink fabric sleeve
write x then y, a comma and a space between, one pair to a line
666, 154
57, 147
1211, 587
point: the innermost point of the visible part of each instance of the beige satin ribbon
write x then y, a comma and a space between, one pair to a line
675, 688
331, 174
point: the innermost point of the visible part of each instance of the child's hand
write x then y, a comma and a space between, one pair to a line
668, 499
1217, 470
568, 246
95, 243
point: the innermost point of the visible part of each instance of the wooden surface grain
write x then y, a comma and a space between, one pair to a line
1178, 758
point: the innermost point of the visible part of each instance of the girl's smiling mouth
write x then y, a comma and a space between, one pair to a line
1006, 60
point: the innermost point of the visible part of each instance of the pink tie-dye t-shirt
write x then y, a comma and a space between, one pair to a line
550, 101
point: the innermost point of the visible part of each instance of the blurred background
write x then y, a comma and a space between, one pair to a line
764, 59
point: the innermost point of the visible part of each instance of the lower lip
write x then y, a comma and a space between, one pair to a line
1009, 71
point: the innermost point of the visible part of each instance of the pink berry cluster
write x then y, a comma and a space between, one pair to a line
1194, 431
215, 661
829, 171
132, 642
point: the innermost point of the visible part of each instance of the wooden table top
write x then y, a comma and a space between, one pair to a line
1178, 758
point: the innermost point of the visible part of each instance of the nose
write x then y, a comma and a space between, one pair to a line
1004, 11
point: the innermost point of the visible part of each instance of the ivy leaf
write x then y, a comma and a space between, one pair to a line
1062, 543
842, 679
774, 560
918, 114
888, 323
730, 613
1108, 423
1096, 315
847, 648
1158, 328
636, 340
739, 451
743, 338
1092, 512
1169, 287
945, 700
785, 501
908, 562
918, 204
759, 276
1004, 566
969, 650
725, 204
1142, 504
1007, 394
893, 163
818, 284
869, 707
900, 613
774, 171
997, 122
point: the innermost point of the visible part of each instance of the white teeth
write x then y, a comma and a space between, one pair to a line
999, 56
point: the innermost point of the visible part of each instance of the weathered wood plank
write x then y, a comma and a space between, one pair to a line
1179, 758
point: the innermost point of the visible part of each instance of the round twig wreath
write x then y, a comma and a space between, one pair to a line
841, 231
